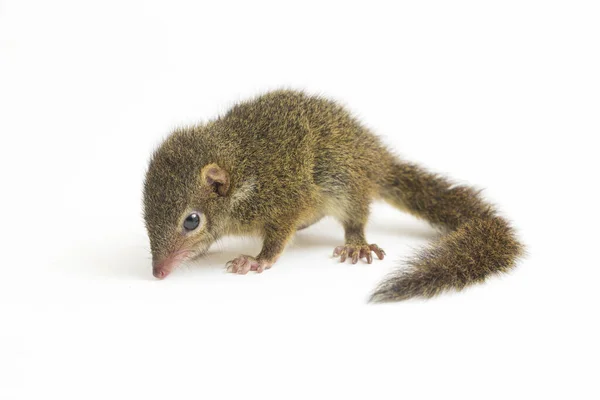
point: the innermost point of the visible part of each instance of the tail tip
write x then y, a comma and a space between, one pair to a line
387, 295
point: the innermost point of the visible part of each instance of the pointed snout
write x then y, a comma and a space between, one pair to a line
162, 268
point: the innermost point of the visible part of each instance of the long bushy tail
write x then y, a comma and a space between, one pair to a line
479, 243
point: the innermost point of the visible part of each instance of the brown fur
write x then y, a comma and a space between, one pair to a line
284, 160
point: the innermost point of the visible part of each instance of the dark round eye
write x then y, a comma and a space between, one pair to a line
191, 222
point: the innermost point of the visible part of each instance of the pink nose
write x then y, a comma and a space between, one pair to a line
159, 273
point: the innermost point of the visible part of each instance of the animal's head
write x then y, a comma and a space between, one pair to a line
185, 194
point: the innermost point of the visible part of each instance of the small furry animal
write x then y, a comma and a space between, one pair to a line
283, 161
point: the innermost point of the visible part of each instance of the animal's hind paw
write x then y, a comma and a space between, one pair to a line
356, 252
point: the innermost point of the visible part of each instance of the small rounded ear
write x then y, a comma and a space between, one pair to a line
215, 176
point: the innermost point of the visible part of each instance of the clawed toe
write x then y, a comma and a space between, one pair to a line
377, 250
240, 265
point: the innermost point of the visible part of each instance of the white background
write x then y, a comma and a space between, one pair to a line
502, 95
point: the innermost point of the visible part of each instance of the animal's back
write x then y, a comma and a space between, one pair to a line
310, 137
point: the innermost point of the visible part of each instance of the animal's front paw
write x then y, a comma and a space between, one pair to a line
356, 252
243, 264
